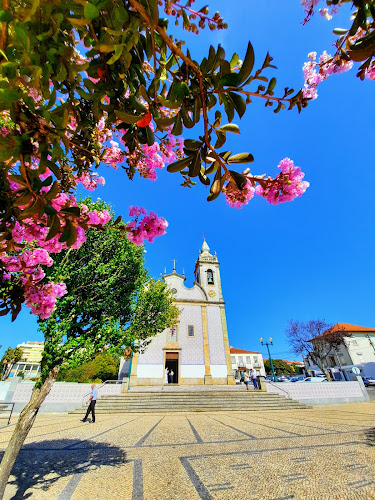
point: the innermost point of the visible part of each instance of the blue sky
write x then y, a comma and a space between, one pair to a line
311, 258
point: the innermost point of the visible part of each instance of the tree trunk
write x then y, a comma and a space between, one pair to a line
24, 424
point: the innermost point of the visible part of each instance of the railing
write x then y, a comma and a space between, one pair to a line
277, 387
10, 409
99, 387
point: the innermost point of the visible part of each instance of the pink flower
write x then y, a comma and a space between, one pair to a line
239, 197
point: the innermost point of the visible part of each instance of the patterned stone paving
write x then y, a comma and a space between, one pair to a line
321, 453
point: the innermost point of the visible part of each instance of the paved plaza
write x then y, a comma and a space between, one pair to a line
326, 452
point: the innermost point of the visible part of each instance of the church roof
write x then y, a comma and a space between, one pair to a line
233, 350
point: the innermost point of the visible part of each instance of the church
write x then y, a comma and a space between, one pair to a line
196, 349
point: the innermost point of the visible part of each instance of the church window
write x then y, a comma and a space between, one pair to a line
210, 277
190, 330
172, 334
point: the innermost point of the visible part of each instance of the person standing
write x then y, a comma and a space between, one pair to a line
246, 380
166, 376
171, 373
92, 399
254, 378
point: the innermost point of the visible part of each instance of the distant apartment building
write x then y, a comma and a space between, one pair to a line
29, 364
358, 350
246, 361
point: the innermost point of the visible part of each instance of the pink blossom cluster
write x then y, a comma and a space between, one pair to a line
287, 185
90, 180
147, 159
315, 72
144, 227
324, 12
113, 156
237, 198
42, 299
370, 71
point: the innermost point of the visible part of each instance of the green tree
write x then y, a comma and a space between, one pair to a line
103, 367
110, 303
10, 357
280, 367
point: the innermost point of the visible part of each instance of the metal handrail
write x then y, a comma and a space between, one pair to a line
277, 387
100, 386
7, 409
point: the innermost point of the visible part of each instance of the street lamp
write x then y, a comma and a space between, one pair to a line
269, 354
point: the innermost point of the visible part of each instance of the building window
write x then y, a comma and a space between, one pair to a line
233, 360
354, 342
360, 357
255, 360
172, 334
248, 360
240, 360
190, 330
210, 277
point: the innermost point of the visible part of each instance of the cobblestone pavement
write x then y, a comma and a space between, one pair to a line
327, 452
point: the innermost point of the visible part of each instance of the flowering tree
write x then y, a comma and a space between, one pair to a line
355, 44
109, 304
90, 83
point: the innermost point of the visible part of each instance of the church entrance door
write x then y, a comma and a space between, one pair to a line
171, 362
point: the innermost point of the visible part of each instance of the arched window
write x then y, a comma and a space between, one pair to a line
210, 277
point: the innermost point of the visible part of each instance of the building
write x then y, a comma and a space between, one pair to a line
196, 349
357, 350
242, 361
29, 364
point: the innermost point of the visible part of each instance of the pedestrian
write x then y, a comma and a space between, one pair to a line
166, 375
253, 376
171, 373
92, 399
246, 380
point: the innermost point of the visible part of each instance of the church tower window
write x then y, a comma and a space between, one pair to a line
172, 334
210, 277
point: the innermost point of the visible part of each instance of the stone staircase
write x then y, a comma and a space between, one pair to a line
193, 401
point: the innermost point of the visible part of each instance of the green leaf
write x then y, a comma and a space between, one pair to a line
340, 31
177, 127
91, 11
230, 127
116, 55
192, 144
76, 211
195, 166
229, 80
238, 102
239, 179
54, 225
5, 16
182, 90
150, 136
247, 65
127, 117
179, 165
221, 138
228, 106
241, 158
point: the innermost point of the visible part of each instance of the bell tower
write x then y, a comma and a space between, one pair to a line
207, 273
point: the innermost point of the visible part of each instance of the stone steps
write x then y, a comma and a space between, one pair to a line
152, 402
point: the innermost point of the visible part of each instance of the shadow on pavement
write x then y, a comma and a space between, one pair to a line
370, 437
41, 464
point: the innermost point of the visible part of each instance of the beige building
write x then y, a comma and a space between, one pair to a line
29, 364
196, 349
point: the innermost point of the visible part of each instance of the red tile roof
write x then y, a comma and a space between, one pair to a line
345, 327
233, 350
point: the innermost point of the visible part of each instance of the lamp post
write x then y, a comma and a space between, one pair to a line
269, 354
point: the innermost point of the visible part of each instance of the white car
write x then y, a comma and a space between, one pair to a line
313, 379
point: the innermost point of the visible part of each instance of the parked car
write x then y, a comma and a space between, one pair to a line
313, 379
368, 381
282, 379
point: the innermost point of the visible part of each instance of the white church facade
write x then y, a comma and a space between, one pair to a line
196, 349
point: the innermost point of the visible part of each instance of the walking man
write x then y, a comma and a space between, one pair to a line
246, 380
91, 408
254, 378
